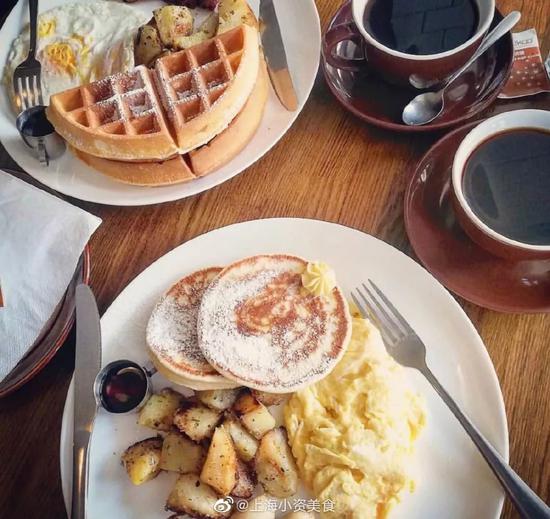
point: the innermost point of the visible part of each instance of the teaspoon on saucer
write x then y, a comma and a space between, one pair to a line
426, 107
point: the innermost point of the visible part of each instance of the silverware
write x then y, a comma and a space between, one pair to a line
274, 50
45, 143
26, 77
87, 366
426, 107
404, 345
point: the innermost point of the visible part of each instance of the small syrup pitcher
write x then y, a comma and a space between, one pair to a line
39, 134
123, 386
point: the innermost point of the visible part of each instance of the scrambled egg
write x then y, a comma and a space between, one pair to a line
78, 43
352, 434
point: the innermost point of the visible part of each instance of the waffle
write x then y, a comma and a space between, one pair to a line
119, 117
199, 162
202, 89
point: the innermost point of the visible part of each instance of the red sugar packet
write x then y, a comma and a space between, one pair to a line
529, 74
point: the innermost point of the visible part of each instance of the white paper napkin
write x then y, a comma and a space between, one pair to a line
41, 240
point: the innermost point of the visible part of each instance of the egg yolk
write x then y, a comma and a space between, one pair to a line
62, 56
46, 27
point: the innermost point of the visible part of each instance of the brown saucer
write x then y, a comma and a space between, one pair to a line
449, 254
53, 334
373, 100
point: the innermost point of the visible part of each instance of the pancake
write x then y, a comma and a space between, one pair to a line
172, 335
259, 327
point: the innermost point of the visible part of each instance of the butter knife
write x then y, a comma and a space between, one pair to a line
87, 366
274, 50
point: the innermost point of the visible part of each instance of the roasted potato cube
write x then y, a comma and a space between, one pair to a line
234, 13
269, 398
206, 31
148, 45
245, 444
180, 454
218, 399
158, 413
197, 421
258, 508
190, 496
173, 21
220, 468
275, 465
299, 515
142, 460
246, 481
254, 415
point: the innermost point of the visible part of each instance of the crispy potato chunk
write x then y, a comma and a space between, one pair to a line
180, 454
246, 481
148, 45
197, 421
245, 444
142, 460
158, 413
269, 398
206, 31
220, 468
254, 415
190, 496
173, 22
218, 399
234, 13
299, 515
275, 465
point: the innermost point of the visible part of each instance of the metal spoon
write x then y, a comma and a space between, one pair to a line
424, 108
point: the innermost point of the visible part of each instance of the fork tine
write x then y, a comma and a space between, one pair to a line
396, 330
368, 314
392, 308
381, 318
28, 92
34, 90
22, 94
39, 90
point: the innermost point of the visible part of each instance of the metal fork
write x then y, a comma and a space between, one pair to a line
404, 345
26, 77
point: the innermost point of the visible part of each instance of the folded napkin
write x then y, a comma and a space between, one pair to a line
41, 240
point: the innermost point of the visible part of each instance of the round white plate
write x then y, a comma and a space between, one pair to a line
453, 480
301, 32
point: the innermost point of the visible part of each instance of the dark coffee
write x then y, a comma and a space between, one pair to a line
506, 183
421, 26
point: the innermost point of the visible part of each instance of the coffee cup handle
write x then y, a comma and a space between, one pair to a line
336, 35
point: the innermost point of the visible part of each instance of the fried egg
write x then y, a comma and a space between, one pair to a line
79, 43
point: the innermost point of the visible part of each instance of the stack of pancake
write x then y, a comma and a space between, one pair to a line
250, 324
183, 119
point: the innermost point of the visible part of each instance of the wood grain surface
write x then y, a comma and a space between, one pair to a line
329, 166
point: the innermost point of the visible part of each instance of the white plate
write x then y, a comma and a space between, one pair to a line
453, 480
301, 31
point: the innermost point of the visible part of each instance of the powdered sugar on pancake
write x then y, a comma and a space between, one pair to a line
172, 328
258, 326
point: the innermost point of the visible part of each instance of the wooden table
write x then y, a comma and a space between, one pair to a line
329, 166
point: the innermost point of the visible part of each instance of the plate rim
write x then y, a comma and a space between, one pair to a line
81, 275
172, 195
500, 417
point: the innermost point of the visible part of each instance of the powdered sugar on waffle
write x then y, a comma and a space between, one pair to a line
259, 327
